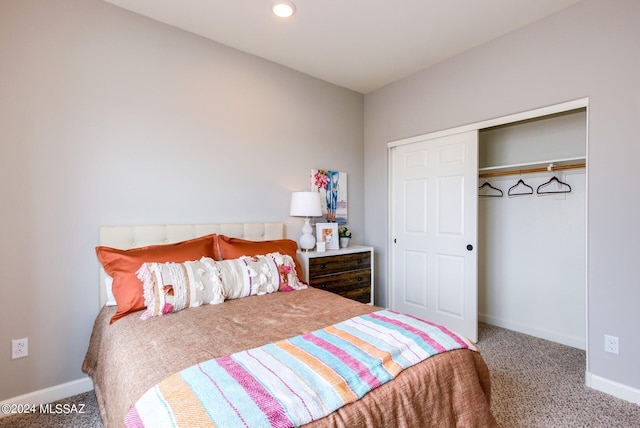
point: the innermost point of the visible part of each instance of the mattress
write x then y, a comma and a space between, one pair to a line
130, 356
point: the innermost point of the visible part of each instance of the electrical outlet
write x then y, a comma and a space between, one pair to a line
19, 348
611, 344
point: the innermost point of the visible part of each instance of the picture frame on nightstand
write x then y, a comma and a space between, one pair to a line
328, 233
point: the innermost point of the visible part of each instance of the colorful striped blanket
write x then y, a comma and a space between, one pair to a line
294, 381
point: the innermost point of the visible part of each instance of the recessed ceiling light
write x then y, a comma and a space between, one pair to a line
283, 9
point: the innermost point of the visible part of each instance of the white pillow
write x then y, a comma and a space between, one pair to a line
108, 285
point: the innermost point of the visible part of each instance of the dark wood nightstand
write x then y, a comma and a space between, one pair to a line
347, 271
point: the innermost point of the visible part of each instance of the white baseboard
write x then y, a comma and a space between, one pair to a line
612, 388
50, 394
574, 342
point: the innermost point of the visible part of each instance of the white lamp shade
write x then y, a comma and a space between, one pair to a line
305, 204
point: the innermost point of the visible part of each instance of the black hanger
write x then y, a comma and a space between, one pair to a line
524, 192
565, 189
495, 195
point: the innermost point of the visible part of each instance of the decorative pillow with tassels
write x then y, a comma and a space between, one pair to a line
171, 287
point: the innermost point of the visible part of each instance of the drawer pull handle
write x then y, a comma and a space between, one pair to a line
323, 266
360, 279
359, 261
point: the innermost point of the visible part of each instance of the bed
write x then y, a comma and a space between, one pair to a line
126, 358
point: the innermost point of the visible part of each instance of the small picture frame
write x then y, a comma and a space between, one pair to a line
328, 233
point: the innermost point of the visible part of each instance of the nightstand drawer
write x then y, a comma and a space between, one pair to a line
343, 281
362, 295
345, 262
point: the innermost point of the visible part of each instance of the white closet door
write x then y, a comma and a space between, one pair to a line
434, 231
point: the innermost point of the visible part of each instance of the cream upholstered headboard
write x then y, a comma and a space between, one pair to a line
126, 237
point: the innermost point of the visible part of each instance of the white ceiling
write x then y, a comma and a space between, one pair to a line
358, 44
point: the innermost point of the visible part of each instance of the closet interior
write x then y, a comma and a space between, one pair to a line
532, 227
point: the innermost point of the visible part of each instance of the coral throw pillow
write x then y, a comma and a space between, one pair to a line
233, 248
122, 266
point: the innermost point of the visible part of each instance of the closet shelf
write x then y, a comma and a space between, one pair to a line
538, 166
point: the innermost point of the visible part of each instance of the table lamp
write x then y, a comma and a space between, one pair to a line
307, 205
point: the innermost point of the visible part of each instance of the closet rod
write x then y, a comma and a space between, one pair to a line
525, 171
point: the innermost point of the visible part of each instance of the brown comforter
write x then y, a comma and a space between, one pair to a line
130, 356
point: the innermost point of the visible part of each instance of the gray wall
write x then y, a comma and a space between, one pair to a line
588, 50
106, 118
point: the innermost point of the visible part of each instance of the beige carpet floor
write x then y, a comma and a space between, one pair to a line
535, 383
538, 383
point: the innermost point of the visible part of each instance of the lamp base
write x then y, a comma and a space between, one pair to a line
307, 241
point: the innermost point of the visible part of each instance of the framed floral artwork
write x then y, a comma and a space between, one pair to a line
332, 186
328, 233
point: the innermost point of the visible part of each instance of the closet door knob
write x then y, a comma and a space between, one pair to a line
469, 247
